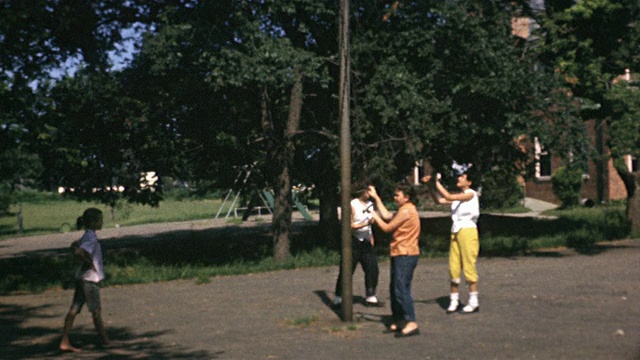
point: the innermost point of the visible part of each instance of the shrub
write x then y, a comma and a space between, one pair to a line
5, 202
582, 238
500, 190
615, 225
567, 183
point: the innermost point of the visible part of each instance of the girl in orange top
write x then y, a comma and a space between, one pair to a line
404, 250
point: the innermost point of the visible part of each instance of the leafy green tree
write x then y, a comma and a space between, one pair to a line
231, 76
624, 139
443, 81
567, 182
588, 44
100, 144
39, 38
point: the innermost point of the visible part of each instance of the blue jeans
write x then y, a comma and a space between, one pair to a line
402, 268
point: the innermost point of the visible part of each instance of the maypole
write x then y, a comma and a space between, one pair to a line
345, 163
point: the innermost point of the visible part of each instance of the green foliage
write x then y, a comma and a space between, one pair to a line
93, 117
567, 182
210, 88
5, 199
581, 238
500, 190
623, 124
605, 223
37, 37
438, 81
574, 43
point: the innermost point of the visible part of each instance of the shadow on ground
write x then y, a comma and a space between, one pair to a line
212, 247
18, 341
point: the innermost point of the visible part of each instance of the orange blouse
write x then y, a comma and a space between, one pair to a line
405, 226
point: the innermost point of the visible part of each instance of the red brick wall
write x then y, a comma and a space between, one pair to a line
617, 190
613, 187
542, 189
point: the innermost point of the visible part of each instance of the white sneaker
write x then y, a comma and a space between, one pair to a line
337, 300
453, 307
469, 309
372, 300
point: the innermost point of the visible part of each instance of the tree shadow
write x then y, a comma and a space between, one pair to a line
337, 309
326, 300
38, 270
385, 320
232, 244
36, 342
442, 301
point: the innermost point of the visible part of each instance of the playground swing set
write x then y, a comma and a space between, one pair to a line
241, 185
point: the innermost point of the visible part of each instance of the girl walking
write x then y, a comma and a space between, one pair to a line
88, 278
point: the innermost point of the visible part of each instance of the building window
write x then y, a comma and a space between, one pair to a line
418, 172
631, 162
543, 161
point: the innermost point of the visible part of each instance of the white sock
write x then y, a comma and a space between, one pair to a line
453, 301
473, 299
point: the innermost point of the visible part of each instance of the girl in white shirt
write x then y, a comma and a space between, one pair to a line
363, 246
88, 278
465, 242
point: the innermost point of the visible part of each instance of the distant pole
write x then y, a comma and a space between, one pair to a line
345, 163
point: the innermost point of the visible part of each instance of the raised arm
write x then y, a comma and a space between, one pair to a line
395, 222
384, 212
433, 194
463, 196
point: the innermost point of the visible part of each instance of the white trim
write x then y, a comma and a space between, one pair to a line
539, 152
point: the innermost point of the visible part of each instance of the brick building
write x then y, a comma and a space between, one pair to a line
601, 182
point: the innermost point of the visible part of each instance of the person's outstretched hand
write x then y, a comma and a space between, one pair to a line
372, 192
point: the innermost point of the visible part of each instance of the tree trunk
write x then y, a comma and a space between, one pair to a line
632, 184
283, 201
633, 203
20, 224
329, 223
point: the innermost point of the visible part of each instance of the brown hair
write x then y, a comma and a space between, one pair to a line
88, 218
408, 190
360, 186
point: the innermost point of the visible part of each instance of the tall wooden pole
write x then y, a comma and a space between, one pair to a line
345, 163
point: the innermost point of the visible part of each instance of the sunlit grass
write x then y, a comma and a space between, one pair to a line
52, 216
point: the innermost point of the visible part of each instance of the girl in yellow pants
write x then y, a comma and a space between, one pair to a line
465, 243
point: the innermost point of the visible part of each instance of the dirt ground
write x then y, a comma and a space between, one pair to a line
556, 304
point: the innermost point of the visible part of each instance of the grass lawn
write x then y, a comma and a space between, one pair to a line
50, 215
201, 254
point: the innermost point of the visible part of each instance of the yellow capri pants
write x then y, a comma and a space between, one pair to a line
463, 254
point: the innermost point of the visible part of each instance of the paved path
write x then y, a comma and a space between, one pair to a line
556, 305
40, 244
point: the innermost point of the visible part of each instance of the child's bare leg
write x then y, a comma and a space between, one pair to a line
98, 324
65, 344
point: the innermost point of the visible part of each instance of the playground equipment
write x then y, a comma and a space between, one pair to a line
241, 185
